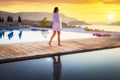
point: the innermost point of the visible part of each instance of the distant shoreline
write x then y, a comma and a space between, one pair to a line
82, 30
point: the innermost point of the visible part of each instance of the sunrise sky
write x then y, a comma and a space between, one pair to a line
92, 11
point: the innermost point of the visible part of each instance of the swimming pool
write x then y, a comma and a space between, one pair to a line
20, 35
96, 65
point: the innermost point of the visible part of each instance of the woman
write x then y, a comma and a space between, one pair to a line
56, 26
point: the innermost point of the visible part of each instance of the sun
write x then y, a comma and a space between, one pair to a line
111, 16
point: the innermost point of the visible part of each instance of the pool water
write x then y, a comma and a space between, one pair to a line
95, 65
33, 35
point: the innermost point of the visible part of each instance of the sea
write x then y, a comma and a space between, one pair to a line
113, 28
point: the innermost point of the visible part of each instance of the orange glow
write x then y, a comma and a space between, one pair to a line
90, 12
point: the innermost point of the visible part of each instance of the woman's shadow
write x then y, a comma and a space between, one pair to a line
57, 67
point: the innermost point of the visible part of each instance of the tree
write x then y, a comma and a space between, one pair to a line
44, 22
19, 19
8, 19
11, 19
2, 19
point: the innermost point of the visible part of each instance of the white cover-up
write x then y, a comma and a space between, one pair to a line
56, 22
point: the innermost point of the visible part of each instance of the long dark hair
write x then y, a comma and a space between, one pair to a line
55, 10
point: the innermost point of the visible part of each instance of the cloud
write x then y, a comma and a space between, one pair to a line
112, 2
48, 1
60, 1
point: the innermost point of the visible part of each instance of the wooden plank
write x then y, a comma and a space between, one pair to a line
23, 51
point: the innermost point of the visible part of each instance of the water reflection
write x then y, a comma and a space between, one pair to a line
2, 35
44, 33
20, 34
96, 65
57, 67
10, 35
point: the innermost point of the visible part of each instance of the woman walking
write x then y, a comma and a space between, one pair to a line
56, 26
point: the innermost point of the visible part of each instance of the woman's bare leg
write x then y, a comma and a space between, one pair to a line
53, 35
59, 42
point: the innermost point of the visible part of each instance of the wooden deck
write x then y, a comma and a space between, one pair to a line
24, 51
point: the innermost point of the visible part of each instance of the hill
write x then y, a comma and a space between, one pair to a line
35, 16
78, 23
115, 23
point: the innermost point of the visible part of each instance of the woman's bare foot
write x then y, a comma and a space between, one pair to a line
50, 44
60, 45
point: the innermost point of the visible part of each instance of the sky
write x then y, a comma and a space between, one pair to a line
91, 11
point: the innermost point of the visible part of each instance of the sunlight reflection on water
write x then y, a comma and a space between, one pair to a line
19, 36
